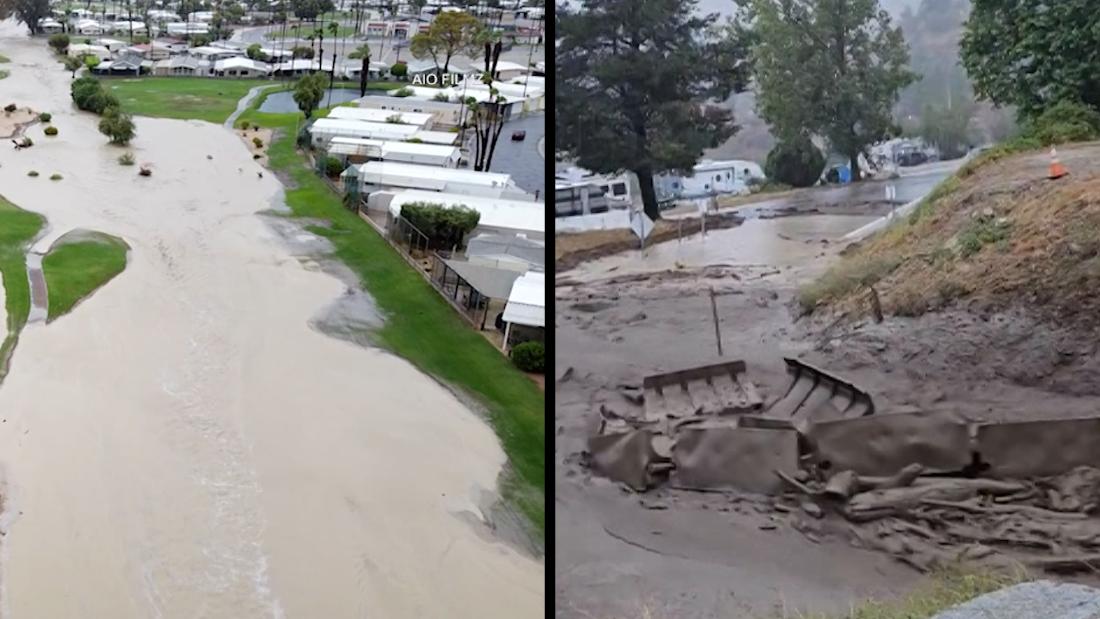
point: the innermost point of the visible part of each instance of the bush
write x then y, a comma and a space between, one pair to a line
444, 227
59, 42
32, 173
302, 52
441, 96
117, 126
399, 69
55, 177
529, 357
796, 162
403, 92
258, 142
1066, 121
244, 125
44, 117
51, 130
333, 166
126, 159
89, 95
9, 108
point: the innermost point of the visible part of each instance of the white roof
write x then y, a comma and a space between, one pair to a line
436, 137
385, 147
299, 63
241, 63
207, 50
495, 212
502, 65
379, 116
527, 303
362, 129
429, 177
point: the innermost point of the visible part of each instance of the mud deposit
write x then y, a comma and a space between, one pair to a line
676, 553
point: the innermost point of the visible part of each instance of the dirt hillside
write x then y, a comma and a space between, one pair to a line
998, 235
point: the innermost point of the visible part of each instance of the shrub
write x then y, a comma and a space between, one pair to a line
9, 108
258, 142
51, 130
32, 173
126, 159
441, 96
399, 69
89, 95
445, 227
59, 42
796, 162
302, 52
117, 125
44, 117
27, 141
529, 357
244, 125
403, 92
333, 166
55, 177
1066, 121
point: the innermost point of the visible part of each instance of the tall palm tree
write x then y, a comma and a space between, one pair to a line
362, 52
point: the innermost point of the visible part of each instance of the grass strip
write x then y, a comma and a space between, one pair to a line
17, 229
75, 270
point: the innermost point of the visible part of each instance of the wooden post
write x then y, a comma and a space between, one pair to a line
714, 312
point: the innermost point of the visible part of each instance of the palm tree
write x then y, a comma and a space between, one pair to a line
362, 52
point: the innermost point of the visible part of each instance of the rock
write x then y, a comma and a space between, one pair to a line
812, 509
802, 475
784, 509
768, 526
1042, 599
640, 316
654, 505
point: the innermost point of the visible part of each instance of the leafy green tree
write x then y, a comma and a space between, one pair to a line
302, 52
73, 64
399, 70
444, 227
1033, 53
255, 52
363, 54
449, 34
117, 125
832, 68
59, 42
27, 11
635, 84
948, 128
91, 61
795, 161
310, 9
308, 92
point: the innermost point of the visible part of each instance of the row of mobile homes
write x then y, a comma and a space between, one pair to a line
448, 113
323, 130
386, 176
420, 120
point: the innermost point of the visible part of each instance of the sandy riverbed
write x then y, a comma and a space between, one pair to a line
185, 445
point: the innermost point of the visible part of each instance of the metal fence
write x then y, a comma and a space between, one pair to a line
408, 238
465, 298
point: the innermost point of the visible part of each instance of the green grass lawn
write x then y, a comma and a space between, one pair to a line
420, 326
304, 30
198, 98
17, 229
75, 270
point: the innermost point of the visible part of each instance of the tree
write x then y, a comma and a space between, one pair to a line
255, 52
308, 92
73, 64
795, 162
832, 68
399, 70
27, 11
302, 52
310, 9
449, 34
1033, 53
947, 128
636, 83
363, 53
487, 116
117, 125
59, 42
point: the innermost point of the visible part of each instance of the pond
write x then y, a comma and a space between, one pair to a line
283, 102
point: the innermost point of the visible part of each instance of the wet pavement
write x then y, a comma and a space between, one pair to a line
522, 159
283, 102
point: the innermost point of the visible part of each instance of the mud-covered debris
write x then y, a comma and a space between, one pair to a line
812, 509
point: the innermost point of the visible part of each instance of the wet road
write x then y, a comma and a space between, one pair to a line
522, 159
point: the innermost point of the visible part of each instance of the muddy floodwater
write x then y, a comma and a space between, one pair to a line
185, 444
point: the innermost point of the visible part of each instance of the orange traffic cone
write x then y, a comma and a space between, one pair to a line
1057, 170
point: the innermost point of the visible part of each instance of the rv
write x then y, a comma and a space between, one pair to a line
578, 198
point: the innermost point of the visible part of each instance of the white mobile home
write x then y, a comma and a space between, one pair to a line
525, 313
712, 178
241, 68
325, 129
435, 137
382, 116
79, 50
444, 113
498, 216
376, 176
358, 151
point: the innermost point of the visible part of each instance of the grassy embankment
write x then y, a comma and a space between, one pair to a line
75, 270
184, 98
943, 590
908, 241
420, 326
17, 229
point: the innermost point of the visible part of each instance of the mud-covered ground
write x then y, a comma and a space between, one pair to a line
694, 555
